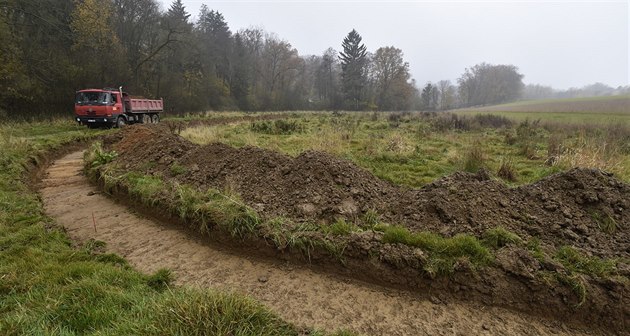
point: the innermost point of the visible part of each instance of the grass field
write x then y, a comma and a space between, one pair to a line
50, 287
414, 149
600, 110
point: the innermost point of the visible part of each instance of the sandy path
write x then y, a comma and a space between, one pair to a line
297, 293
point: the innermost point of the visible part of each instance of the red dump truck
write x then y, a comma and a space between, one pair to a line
113, 107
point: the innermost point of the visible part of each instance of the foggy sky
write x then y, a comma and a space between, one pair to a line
561, 43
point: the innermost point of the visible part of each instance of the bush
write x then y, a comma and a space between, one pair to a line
491, 121
277, 127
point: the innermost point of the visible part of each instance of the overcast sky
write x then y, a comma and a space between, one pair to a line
559, 43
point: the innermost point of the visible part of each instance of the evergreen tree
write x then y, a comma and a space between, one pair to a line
353, 68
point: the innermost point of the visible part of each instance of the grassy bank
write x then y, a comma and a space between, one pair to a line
216, 210
211, 211
50, 287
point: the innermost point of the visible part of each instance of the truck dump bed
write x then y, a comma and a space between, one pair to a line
139, 105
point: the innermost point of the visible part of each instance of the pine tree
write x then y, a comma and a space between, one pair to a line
353, 68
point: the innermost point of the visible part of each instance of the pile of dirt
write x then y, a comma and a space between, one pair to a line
587, 209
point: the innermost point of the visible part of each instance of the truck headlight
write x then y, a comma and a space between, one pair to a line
105, 119
78, 119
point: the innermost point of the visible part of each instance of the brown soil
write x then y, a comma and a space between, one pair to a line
296, 292
569, 208
586, 209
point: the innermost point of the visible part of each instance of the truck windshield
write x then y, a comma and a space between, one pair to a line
93, 98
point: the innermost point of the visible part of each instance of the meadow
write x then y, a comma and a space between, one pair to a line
414, 149
47, 281
591, 110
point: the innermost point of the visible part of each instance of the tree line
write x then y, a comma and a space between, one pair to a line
50, 48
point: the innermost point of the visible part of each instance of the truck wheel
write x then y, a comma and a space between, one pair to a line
155, 118
146, 119
120, 122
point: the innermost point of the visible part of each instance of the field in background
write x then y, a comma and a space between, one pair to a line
414, 149
573, 110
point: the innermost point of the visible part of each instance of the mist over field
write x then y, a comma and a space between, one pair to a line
257, 55
562, 44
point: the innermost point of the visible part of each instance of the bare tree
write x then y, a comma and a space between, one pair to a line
391, 75
447, 92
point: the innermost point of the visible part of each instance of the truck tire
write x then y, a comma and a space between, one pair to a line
120, 122
155, 118
146, 119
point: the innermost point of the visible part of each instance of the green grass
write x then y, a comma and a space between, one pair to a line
177, 169
597, 110
576, 262
499, 237
414, 150
341, 227
48, 287
443, 252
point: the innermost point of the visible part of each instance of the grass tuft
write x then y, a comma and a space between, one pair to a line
443, 252
161, 279
507, 170
340, 228
177, 169
575, 262
499, 237
475, 158
605, 223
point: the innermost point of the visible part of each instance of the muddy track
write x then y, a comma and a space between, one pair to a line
299, 294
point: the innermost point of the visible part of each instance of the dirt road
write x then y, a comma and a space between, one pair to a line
298, 294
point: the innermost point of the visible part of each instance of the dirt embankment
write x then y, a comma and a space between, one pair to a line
298, 294
586, 209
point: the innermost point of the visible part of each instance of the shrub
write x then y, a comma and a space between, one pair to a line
491, 121
277, 127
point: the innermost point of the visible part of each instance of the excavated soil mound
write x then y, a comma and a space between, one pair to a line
584, 208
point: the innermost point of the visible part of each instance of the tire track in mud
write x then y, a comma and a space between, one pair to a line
297, 293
